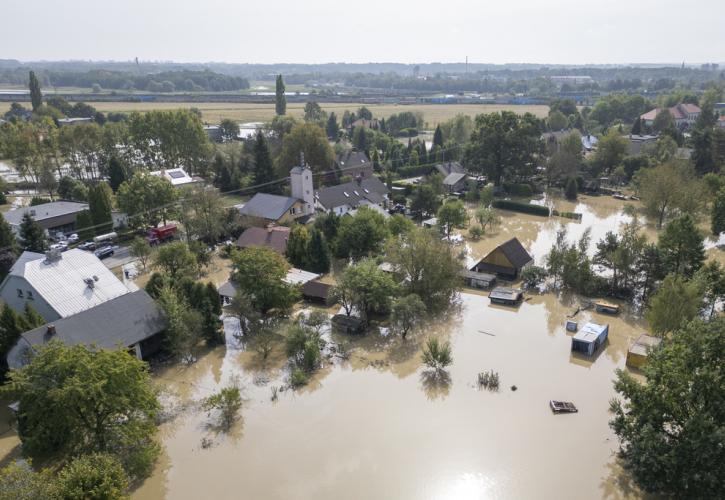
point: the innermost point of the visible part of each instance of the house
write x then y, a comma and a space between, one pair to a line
455, 182
365, 123
343, 198
448, 168
56, 216
265, 208
640, 349
63, 122
227, 291
317, 291
59, 285
272, 237
506, 260
132, 321
177, 177
639, 143
213, 132
478, 280
299, 277
505, 296
684, 114
587, 340
353, 163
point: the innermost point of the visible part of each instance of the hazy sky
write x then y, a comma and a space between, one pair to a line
317, 31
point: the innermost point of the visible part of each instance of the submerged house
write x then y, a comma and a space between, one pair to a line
505, 296
639, 351
587, 340
506, 260
478, 280
132, 321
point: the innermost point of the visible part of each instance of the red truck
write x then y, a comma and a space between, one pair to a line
157, 235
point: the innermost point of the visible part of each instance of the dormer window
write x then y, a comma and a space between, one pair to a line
30, 295
20, 293
346, 195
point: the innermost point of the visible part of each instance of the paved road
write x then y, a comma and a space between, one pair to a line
121, 256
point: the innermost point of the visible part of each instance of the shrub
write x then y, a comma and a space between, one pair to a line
571, 189
437, 355
412, 171
227, 402
514, 189
489, 380
475, 231
527, 208
298, 377
533, 275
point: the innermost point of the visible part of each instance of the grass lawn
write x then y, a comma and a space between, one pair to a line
214, 112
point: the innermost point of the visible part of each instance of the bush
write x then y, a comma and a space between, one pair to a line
517, 206
523, 190
412, 171
533, 275
475, 231
298, 377
437, 355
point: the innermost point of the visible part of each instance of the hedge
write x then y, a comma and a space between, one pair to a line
517, 206
523, 190
413, 171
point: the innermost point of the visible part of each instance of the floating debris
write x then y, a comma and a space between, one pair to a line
489, 380
491, 334
562, 407
514, 388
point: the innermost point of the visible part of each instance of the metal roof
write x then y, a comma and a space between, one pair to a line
65, 283
352, 193
590, 332
45, 211
267, 206
453, 178
502, 292
299, 277
121, 322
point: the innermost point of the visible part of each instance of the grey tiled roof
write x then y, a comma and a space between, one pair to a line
45, 211
267, 206
352, 193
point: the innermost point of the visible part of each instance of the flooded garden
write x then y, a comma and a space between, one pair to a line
374, 423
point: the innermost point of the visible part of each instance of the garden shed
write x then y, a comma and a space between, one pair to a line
589, 338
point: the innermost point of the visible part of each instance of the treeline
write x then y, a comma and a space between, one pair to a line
165, 81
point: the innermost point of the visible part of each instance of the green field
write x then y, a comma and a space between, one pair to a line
213, 112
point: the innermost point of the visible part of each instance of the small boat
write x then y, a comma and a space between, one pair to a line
562, 407
606, 307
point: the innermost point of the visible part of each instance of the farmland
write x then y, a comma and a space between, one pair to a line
213, 112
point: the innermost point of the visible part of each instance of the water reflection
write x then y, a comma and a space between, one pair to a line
436, 384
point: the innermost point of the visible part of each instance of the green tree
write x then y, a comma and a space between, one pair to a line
98, 476
711, 277
11, 326
437, 355
227, 402
400, 224
32, 236
8, 248
318, 253
117, 173
203, 214
425, 200
667, 190
557, 120
280, 101
229, 130
36, 97
80, 400
314, 113
427, 266
298, 245
504, 144
140, 249
681, 246
332, 127
675, 303
366, 288
31, 317
310, 139
670, 427
184, 323
636, 127
611, 150
147, 199
717, 215
84, 225
438, 137
452, 215
100, 204
176, 260
571, 189
407, 313
260, 273
361, 235
263, 169
20, 482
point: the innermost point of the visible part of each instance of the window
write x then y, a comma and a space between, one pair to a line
30, 295
20, 293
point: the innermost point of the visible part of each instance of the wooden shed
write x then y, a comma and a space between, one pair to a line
589, 338
347, 324
505, 296
506, 260
640, 349
478, 280
317, 291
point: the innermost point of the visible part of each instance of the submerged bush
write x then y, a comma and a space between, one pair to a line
437, 355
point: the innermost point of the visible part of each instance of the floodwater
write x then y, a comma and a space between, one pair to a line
377, 426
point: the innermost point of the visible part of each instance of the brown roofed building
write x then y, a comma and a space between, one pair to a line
684, 114
506, 260
272, 237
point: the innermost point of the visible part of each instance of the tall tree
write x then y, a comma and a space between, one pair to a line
361, 235
280, 101
146, 199
263, 169
260, 272
332, 127
100, 204
8, 247
298, 246
117, 173
12, 325
314, 113
100, 400
310, 139
675, 303
438, 137
318, 252
229, 130
670, 428
32, 236
717, 215
504, 145
681, 246
369, 289
452, 215
36, 97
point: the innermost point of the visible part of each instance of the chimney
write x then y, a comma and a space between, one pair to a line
50, 332
358, 179
53, 255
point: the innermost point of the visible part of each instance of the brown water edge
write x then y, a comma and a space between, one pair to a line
376, 427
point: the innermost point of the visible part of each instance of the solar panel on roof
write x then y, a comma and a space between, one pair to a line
176, 175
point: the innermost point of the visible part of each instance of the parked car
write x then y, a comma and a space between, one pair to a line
73, 238
104, 252
88, 245
62, 246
